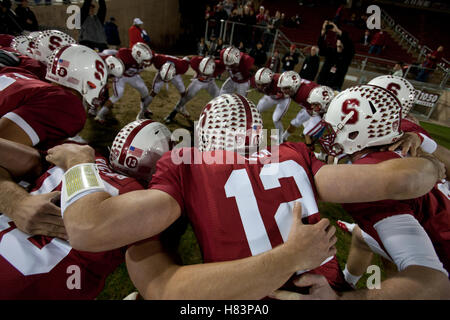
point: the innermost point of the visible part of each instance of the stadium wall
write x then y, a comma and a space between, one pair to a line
161, 19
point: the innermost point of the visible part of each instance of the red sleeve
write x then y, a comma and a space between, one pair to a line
158, 60
54, 114
195, 63
34, 66
167, 178
5, 40
220, 68
182, 66
252, 82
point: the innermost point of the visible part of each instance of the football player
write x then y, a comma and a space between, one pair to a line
135, 60
34, 112
266, 82
405, 92
207, 70
301, 91
240, 67
413, 234
272, 179
34, 266
170, 69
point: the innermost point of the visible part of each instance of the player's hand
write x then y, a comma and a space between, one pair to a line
68, 155
38, 215
309, 245
319, 289
409, 142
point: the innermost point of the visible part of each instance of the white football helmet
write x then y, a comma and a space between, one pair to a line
142, 54
20, 44
207, 66
229, 122
80, 68
115, 66
289, 82
137, 148
168, 71
360, 117
48, 41
263, 76
231, 56
322, 96
32, 40
402, 89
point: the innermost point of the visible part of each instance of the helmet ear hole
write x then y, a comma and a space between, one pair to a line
353, 135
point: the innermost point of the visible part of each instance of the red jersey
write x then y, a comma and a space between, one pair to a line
244, 209
272, 89
303, 92
47, 113
5, 40
432, 211
132, 68
181, 65
242, 73
29, 64
40, 267
407, 125
195, 64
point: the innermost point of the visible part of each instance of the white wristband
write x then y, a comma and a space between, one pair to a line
79, 181
428, 145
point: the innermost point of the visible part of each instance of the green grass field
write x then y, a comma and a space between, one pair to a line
118, 284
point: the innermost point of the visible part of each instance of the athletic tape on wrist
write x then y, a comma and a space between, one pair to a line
428, 145
79, 181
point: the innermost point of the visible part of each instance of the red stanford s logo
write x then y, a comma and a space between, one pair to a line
348, 106
393, 87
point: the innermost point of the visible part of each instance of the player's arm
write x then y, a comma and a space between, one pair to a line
18, 159
395, 179
32, 214
443, 154
415, 282
98, 222
11, 131
157, 276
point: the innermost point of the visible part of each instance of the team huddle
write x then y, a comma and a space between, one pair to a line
256, 217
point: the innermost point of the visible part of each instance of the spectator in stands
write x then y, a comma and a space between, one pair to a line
92, 33
26, 17
274, 62
339, 13
337, 60
242, 47
220, 13
137, 34
249, 18
311, 65
269, 33
8, 19
430, 63
293, 22
112, 33
378, 42
202, 48
366, 38
218, 46
228, 6
259, 55
290, 59
398, 69
261, 16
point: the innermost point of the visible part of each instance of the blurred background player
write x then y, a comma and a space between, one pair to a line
170, 69
240, 67
266, 82
207, 70
135, 61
